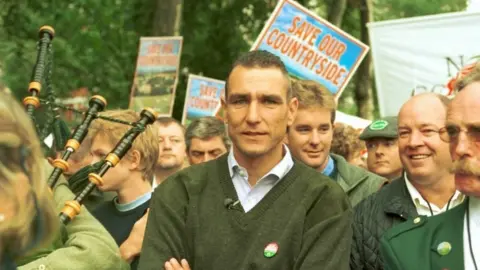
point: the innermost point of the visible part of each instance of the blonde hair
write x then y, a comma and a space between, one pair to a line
311, 94
146, 143
20, 153
471, 77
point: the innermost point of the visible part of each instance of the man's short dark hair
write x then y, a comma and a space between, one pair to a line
260, 59
166, 121
206, 128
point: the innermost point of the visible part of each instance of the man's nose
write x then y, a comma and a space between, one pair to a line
252, 114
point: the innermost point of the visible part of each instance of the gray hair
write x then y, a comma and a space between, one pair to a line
205, 128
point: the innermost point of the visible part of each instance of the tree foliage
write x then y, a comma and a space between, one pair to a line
96, 42
94, 47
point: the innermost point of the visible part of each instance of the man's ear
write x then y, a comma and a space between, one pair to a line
292, 111
135, 160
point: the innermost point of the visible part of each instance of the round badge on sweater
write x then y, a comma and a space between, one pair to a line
378, 125
444, 248
270, 250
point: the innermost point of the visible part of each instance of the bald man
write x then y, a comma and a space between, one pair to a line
450, 240
427, 188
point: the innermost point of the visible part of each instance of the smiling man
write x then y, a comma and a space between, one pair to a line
310, 139
381, 139
255, 208
427, 188
450, 240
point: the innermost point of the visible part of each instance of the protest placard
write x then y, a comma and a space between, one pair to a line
311, 47
202, 98
156, 74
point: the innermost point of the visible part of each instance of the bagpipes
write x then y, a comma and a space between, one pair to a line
41, 74
72, 208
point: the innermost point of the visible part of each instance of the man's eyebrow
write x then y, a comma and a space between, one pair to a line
237, 96
271, 96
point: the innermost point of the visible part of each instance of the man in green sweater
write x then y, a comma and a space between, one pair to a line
256, 207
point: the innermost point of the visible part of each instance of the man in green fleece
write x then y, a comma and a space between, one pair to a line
310, 139
255, 207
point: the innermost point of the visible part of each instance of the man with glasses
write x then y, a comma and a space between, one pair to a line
450, 240
427, 187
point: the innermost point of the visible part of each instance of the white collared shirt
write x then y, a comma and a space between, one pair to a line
474, 208
422, 205
250, 196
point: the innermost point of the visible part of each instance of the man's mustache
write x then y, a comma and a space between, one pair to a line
465, 167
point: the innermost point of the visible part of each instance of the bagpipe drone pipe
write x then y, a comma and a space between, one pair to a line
41, 78
56, 126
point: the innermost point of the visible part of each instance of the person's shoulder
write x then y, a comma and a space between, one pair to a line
191, 179
355, 175
375, 178
370, 203
369, 178
410, 226
309, 176
196, 174
420, 224
385, 190
317, 184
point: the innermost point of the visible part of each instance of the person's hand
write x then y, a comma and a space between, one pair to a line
173, 264
133, 245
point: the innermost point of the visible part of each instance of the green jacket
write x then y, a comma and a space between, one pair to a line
355, 181
83, 244
426, 243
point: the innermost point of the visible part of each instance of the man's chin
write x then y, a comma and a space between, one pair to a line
253, 151
168, 166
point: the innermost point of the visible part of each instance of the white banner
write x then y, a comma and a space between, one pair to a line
421, 53
352, 120
473, 5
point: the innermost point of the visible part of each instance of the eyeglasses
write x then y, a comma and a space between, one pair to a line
451, 134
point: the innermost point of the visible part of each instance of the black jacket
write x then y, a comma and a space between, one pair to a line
375, 215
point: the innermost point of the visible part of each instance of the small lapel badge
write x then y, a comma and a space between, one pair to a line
444, 248
270, 250
417, 220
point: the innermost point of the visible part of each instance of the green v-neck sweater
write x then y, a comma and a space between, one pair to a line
306, 215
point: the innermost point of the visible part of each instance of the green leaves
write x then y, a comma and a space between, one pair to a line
94, 47
96, 42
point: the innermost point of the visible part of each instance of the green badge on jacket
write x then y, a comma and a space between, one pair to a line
444, 248
270, 250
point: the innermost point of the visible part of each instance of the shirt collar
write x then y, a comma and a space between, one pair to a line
280, 170
419, 200
330, 167
124, 207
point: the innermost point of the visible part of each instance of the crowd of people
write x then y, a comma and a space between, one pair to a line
276, 184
